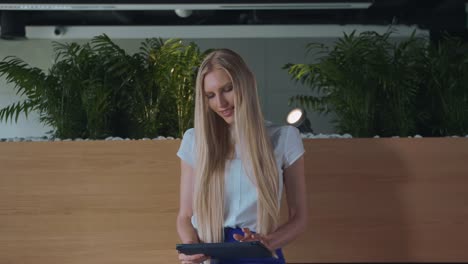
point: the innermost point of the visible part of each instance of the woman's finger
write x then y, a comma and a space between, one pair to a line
256, 236
197, 258
238, 237
246, 231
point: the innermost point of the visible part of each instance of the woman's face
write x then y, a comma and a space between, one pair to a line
220, 94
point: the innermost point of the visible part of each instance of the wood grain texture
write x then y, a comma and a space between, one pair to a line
370, 200
88, 202
385, 200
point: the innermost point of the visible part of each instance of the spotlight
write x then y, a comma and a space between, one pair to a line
297, 117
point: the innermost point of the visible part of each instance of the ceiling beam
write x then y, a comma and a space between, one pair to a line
202, 32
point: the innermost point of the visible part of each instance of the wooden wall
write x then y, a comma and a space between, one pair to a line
370, 200
386, 200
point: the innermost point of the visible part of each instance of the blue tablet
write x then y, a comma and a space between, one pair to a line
229, 250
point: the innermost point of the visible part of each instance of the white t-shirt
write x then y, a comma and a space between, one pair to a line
240, 201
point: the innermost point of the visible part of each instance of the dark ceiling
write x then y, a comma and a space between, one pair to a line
435, 15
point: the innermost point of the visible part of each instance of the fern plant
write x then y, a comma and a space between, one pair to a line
445, 93
56, 95
182, 83
368, 81
97, 90
376, 86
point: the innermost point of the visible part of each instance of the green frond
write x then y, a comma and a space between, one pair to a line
13, 111
377, 86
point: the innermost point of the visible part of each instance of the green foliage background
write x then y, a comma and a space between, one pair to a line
377, 86
97, 89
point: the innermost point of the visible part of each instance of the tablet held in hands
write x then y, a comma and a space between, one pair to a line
229, 250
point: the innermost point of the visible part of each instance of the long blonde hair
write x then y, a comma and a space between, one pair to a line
214, 147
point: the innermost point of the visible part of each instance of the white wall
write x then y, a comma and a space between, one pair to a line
266, 55
37, 53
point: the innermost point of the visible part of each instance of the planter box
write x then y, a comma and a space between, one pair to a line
385, 200
370, 200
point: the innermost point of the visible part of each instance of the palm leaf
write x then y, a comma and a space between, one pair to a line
29, 82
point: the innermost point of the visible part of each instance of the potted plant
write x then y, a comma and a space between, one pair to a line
377, 86
98, 90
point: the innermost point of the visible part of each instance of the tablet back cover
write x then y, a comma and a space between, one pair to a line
230, 250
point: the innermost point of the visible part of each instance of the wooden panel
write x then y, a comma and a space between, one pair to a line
385, 200
104, 202
88, 202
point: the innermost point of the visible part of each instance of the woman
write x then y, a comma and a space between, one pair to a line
234, 166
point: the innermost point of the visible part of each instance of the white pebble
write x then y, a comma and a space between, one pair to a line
303, 135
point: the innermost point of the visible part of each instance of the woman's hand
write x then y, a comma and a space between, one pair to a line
192, 259
249, 236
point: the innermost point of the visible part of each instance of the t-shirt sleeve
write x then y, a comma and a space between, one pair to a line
293, 147
186, 149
